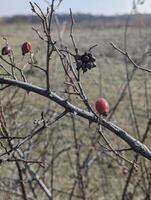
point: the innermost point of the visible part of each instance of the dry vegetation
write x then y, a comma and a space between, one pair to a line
105, 175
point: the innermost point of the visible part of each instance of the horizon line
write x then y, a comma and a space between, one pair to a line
78, 13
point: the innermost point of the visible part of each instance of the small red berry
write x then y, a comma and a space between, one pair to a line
26, 48
6, 50
102, 106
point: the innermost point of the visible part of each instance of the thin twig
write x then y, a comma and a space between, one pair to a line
130, 59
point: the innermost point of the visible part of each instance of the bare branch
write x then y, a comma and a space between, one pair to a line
136, 145
130, 59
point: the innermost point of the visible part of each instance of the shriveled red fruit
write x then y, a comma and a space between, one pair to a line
102, 106
26, 48
6, 50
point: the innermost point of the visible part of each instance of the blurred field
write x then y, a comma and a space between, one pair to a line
106, 179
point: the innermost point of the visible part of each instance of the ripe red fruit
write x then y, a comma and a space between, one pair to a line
26, 48
102, 106
6, 50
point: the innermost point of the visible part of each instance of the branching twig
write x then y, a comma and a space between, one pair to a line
130, 59
136, 145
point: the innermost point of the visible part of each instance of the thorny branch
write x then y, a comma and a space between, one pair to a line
136, 145
69, 61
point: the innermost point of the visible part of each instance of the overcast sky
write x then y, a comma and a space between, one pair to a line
107, 7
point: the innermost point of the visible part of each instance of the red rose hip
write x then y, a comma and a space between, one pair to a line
26, 48
102, 106
6, 50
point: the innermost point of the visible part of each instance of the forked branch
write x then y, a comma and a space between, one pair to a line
136, 145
